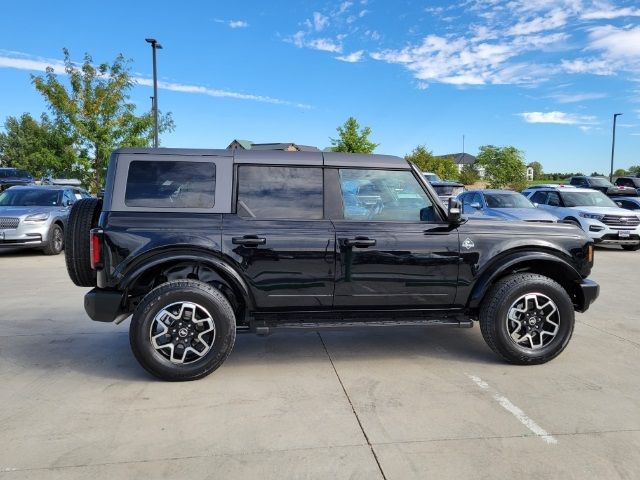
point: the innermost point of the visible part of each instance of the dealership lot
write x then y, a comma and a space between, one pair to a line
369, 403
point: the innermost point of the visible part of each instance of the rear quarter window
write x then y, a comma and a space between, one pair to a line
170, 184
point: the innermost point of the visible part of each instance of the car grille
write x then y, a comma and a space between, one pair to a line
9, 222
630, 221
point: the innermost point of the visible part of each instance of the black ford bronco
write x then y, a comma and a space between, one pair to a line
200, 244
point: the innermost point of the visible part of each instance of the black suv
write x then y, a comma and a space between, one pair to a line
603, 185
633, 182
201, 244
10, 177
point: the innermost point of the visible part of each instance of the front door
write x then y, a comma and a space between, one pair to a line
278, 238
388, 257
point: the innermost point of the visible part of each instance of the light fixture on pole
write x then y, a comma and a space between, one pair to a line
613, 144
154, 46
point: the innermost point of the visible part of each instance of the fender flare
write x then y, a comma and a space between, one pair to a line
224, 268
498, 268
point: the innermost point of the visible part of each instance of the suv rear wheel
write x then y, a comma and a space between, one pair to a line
527, 318
182, 330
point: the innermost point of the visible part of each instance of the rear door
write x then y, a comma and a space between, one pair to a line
278, 236
387, 256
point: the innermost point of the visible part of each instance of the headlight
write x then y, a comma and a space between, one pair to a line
594, 216
37, 217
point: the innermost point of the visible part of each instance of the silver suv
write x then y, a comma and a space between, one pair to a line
592, 211
35, 217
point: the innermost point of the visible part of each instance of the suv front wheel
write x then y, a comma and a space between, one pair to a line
527, 318
182, 330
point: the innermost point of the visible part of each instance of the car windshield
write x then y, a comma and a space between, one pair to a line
448, 190
600, 182
31, 197
13, 173
507, 200
431, 177
587, 199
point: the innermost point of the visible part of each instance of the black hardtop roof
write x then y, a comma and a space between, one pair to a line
333, 159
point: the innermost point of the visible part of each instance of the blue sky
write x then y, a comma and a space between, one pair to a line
542, 75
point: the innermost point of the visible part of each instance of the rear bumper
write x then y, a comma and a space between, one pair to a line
589, 292
104, 305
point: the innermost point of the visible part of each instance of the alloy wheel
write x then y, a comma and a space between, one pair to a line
533, 321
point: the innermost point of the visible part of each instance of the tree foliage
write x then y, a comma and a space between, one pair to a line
469, 174
96, 110
444, 167
621, 172
39, 147
504, 167
634, 170
352, 138
537, 170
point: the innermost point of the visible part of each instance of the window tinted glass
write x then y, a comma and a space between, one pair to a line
554, 199
280, 192
31, 197
587, 199
171, 184
539, 197
383, 195
600, 182
506, 200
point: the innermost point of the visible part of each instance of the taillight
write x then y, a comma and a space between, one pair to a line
95, 248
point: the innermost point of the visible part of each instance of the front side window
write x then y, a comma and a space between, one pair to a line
273, 192
384, 195
540, 198
170, 184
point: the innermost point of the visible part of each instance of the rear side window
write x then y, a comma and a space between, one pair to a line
171, 184
280, 192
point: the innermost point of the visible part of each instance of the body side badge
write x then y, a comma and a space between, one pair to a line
468, 243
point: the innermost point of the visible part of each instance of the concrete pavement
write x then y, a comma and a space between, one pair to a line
396, 403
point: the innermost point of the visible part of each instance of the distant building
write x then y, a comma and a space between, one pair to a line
285, 147
462, 159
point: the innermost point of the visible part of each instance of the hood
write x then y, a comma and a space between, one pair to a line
24, 211
604, 210
530, 214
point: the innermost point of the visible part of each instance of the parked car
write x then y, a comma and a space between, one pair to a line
14, 176
36, 216
447, 189
628, 203
593, 212
603, 185
549, 185
431, 177
633, 182
503, 204
260, 241
60, 180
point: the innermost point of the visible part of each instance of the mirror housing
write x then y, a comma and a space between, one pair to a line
535, 204
454, 214
476, 205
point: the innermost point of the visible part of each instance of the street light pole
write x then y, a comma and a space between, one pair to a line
154, 46
613, 144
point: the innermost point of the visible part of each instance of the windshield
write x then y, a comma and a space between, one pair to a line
448, 190
507, 200
30, 198
587, 199
601, 182
431, 177
13, 173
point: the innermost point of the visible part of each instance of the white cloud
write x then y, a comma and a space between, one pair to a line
238, 24
606, 11
555, 19
38, 64
577, 97
593, 66
320, 21
556, 117
616, 42
352, 57
344, 6
324, 45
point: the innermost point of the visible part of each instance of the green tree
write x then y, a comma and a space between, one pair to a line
97, 112
425, 161
537, 170
621, 172
634, 169
39, 147
504, 167
469, 174
352, 138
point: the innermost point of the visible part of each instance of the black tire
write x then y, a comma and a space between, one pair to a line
156, 362
494, 313
631, 248
55, 241
82, 218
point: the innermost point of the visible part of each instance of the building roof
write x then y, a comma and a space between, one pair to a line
246, 144
249, 145
460, 158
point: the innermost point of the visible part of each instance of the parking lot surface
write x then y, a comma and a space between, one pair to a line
394, 403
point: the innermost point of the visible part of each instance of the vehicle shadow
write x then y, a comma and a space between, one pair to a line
8, 252
108, 354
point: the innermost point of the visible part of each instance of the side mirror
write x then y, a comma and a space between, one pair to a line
454, 214
535, 204
475, 205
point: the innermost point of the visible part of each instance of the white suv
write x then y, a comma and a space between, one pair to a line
593, 212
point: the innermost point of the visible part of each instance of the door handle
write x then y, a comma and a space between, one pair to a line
249, 241
359, 242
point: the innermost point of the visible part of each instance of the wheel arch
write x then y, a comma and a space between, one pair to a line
208, 268
540, 262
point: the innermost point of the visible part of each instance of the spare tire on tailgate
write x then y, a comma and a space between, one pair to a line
82, 218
